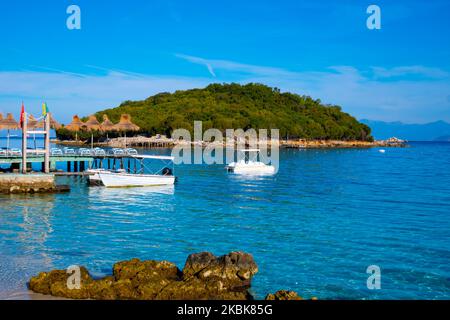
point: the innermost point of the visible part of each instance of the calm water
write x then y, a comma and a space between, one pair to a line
313, 228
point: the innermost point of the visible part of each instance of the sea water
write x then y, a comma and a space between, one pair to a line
314, 227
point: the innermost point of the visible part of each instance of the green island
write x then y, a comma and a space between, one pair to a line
233, 105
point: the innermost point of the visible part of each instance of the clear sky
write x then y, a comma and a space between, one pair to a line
129, 50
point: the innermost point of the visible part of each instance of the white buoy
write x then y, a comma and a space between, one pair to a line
382, 151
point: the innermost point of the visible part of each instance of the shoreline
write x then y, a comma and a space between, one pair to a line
289, 144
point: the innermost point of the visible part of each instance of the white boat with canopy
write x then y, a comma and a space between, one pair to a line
249, 163
94, 178
121, 178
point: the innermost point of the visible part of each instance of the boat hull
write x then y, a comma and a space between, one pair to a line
94, 178
117, 180
255, 171
259, 169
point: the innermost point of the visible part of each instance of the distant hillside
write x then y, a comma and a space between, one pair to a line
224, 106
442, 138
434, 131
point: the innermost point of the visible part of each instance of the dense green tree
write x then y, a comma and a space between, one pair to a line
253, 105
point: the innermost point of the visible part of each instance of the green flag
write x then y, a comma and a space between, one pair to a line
44, 109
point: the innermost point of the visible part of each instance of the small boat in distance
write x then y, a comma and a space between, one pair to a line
121, 178
250, 165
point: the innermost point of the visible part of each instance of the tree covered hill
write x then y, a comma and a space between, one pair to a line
226, 106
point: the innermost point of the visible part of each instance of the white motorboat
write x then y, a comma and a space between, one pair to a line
120, 178
94, 178
250, 164
112, 179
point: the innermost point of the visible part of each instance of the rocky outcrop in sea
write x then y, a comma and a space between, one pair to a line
204, 276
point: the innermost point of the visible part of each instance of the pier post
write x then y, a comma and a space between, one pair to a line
68, 166
47, 143
82, 166
121, 163
24, 143
75, 166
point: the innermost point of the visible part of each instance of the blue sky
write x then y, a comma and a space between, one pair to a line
129, 50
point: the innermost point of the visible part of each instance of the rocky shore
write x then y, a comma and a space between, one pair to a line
315, 144
203, 277
142, 142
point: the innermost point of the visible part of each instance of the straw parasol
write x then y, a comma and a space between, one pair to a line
9, 123
107, 125
32, 123
76, 124
53, 123
125, 124
92, 123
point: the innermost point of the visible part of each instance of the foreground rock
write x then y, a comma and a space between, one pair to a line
204, 276
283, 295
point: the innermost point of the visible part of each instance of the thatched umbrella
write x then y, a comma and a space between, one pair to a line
53, 123
76, 125
32, 123
92, 124
107, 125
125, 124
8, 124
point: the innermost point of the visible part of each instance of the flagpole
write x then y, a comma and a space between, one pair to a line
47, 143
24, 143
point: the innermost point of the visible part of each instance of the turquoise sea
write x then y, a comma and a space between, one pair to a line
314, 227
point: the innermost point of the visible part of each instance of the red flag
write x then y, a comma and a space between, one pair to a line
22, 116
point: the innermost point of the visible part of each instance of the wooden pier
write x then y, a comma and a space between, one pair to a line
76, 165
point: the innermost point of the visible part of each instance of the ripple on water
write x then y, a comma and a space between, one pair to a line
313, 228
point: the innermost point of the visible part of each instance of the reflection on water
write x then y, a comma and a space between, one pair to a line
127, 193
314, 227
27, 224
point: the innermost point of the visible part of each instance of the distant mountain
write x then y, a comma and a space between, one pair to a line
443, 138
433, 131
